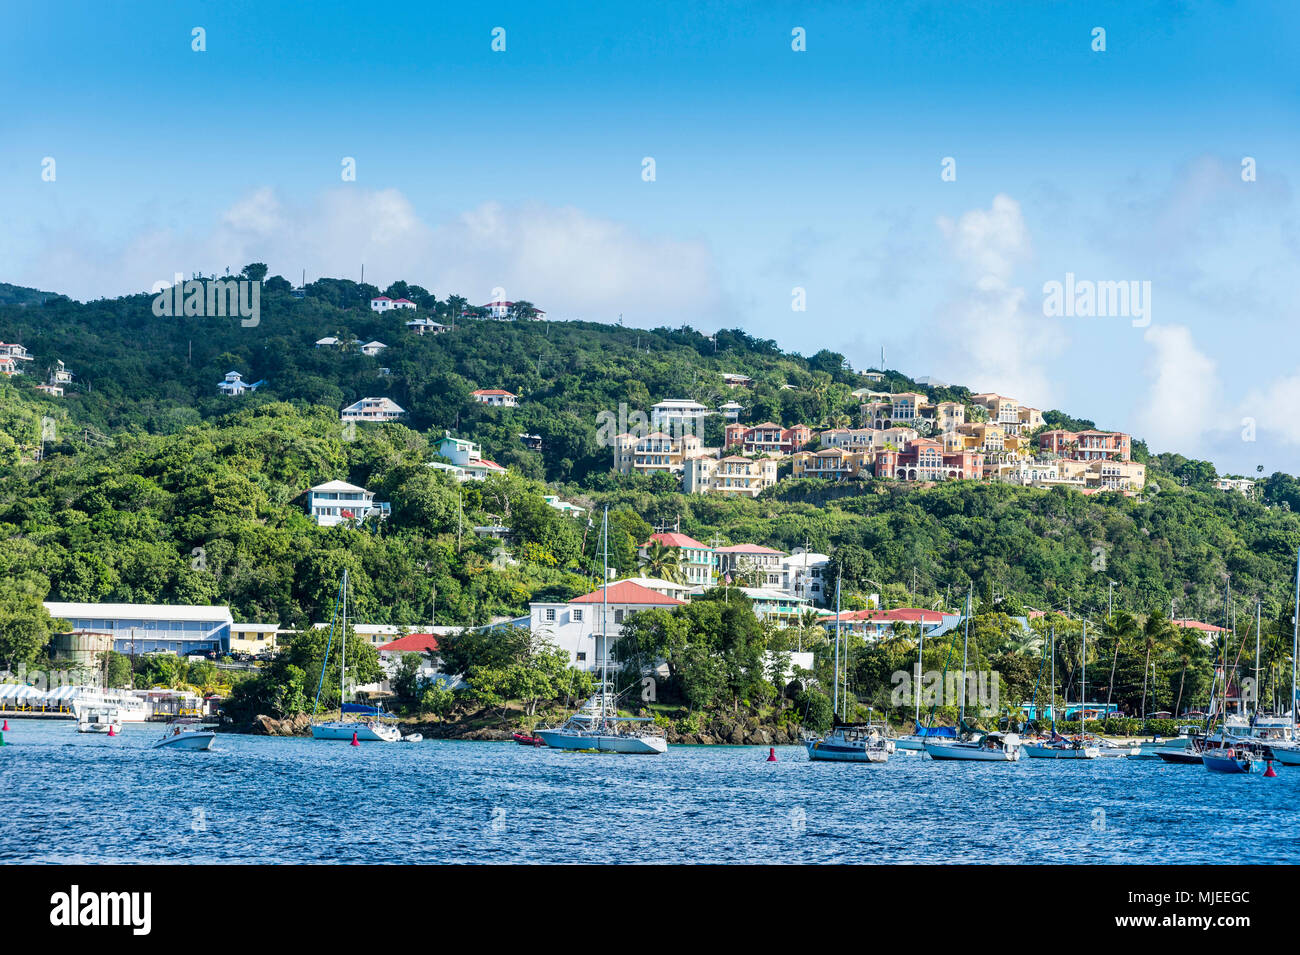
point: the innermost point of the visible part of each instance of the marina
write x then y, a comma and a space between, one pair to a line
70, 797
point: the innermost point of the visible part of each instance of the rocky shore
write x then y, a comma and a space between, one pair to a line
717, 731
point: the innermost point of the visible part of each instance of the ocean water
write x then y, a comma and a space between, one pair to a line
70, 797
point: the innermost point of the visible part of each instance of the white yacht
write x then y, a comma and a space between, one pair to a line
99, 719
990, 748
851, 743
130, 708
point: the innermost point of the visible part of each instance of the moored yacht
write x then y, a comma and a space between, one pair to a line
850, 743
990, 748
99, 719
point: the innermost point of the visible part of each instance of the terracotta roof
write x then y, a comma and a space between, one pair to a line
900, 615
627, 592
413, 643
674, 539
1197, 625
494, 391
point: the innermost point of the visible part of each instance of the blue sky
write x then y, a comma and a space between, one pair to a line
775, 169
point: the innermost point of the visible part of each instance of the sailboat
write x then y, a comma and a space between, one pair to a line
991, 747
848, 742
1058, 746
363, 731
914, 742
595, 727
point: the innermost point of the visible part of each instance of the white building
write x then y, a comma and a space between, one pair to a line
334, 502
807, 575
467, 461
576, 625
234, 385
425, 325
1244, 486
385, 304
751, 562
150, 628
496, 397
372, 348
329, 341
564, 507
678, 416
373, 409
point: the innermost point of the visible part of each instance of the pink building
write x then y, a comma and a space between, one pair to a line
767, 438
1087, 445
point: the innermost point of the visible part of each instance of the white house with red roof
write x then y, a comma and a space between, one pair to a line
577, 625
10, 356
751, 562
496, 397
383, 303
467, 461
698, 560
877, 623
1208, 631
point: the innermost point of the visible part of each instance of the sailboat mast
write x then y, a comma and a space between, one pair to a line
965, 638
1295, 636
920, 655
1257, 612
835, 694
343, 657
604, 616
1051, 693
1083, 679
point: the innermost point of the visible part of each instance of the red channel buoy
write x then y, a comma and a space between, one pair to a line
771, 754
5, 728
111, 731
354, 738
1269, 772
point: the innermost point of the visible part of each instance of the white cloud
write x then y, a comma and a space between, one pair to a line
1274, 409
989, 337
566, 261
1184, 399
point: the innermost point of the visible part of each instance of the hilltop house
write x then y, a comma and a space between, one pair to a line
422, 325
767, 438
373, 409
732, 476
334, 502
496, 397
504, 311
467, 461
233, 385
385, 304
678, 416
697, 560
751, 563
658, 452
372, 348
577, 625
564, 507
10, 357
1087, 445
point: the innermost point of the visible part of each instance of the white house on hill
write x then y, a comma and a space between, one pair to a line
337, 501
575, 625
383, 303
234, 385
373, 409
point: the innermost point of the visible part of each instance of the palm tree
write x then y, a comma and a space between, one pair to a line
1122, 626
663, 561
1157, 634
1188, 649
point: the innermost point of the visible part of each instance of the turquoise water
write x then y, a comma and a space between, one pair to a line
69, 797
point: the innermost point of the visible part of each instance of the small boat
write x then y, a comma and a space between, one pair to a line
524, 739
186, 733
99, 719
413, 738
1231, 759
990, 748
1061, 747
1114, 749
1185, 751
850, 743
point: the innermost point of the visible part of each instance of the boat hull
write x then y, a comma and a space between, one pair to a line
1286, 755
822, 751
365, 732
1179, 757
1228, 764
199, 740
603, 742
1057, 752
974, 754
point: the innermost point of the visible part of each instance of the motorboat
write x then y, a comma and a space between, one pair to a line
186, 733
990, 748
851, 743
527, 739
99, 719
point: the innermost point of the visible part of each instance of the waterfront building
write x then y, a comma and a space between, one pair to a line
150, 628
874, 624
575, 625
255, 638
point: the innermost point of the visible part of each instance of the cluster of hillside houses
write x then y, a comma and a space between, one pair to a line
901, 436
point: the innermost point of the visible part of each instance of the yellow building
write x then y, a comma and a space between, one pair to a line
255, 637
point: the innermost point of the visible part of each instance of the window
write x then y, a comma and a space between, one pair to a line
577, 616
550, 614
581, 656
